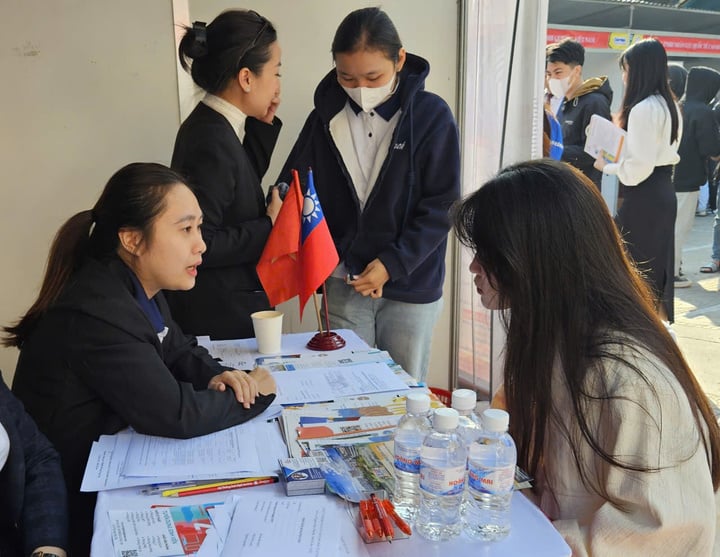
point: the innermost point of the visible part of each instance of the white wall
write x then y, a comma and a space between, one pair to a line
89, 85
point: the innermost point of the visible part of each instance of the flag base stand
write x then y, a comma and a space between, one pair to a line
326, 341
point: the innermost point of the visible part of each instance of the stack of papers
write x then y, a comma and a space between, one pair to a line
131, 459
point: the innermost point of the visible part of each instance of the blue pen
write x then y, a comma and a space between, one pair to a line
153, 489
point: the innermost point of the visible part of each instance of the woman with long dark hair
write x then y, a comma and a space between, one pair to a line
606, 414
99, 350
647, 215
224, 149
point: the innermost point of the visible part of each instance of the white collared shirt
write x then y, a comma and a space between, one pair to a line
4, 446
371, 135
232, 113
647, 144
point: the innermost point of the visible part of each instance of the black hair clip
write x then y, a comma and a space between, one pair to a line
200, 46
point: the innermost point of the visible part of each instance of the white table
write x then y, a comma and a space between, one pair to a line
531, 532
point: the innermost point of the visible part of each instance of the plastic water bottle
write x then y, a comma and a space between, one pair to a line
469, 428
443, 458
491, 474
408, 439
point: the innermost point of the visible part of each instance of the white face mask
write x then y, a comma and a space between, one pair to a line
368, 98
4, 446
559, 87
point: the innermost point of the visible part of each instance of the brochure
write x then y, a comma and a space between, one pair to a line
159, 531
604, 138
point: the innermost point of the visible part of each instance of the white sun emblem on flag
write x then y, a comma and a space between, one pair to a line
310, 207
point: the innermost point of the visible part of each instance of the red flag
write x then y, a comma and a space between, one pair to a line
318, 256
279, 268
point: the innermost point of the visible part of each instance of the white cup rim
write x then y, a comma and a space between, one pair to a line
266, 314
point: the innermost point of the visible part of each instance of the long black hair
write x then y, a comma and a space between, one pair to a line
647, 74
544, 237
234, 40
133, 198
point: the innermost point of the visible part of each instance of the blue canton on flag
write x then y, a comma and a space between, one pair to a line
312, 212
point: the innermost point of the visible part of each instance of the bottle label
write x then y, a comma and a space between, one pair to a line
442, 481
491, 480
407, 458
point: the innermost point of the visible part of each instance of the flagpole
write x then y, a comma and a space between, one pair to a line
327, 313
317, 309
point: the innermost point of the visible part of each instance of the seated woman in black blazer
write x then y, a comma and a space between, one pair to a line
33, 514
99, 349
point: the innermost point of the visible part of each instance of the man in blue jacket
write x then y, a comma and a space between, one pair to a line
581, 99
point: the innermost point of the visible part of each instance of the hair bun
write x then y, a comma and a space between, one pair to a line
198, 48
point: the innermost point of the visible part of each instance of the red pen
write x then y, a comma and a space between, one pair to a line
404, 526
196, 491
384, 520
366, 517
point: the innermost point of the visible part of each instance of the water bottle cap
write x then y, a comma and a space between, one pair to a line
496, 420
464, 399
445, 419
417, 403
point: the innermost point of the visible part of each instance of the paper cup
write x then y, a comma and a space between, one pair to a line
268, 330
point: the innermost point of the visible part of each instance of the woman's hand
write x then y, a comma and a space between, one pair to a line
244, 385
270, 114
264, 380
273, 208
47, 549
371, 281
600, 161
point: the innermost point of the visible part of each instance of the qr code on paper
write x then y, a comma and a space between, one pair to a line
129, 553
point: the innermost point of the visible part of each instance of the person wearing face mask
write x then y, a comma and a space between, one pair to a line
581, 99
386, 163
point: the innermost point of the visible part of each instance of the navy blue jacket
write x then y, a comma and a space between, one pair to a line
405, 221
33, 512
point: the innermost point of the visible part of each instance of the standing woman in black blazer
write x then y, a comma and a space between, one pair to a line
224, 149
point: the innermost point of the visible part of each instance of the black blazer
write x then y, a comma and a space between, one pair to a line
33, 511
225, 176
94, 365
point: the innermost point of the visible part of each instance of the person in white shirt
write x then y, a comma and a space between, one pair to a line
646, 217
606, 413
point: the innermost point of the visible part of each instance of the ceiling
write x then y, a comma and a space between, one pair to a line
658, 15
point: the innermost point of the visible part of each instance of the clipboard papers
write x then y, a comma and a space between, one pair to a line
604, 137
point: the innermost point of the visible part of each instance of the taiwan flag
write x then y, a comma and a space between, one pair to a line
318, 256
300, 253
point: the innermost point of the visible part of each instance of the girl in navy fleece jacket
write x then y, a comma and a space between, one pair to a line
386, 163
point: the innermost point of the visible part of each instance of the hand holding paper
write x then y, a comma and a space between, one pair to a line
604, 141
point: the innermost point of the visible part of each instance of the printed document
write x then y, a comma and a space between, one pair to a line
329, 383
265, 527
604, 137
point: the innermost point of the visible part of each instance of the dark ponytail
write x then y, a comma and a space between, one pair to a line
133, 198
234, 40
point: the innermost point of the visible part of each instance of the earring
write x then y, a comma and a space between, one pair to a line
246, 89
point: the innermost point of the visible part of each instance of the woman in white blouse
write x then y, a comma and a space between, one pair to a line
647, 216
